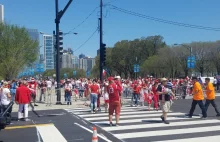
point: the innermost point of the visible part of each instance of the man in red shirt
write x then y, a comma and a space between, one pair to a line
94, 91
23, 98
33, 87
114, 100
136, 93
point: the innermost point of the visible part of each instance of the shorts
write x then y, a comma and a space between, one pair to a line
114, 107
165, 106
106, 101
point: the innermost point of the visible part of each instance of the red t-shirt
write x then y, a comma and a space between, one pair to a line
94, 89
136, 89
113, 92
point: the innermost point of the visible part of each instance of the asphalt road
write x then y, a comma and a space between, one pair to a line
64, 122
137, 124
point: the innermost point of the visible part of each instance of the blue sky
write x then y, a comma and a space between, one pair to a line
40, 14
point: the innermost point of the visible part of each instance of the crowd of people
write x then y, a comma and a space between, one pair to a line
149, 92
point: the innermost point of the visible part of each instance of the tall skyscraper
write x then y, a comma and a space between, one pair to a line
67, 60
1, 13
34, 34
75, 62
86, 64
82, 56
48, 51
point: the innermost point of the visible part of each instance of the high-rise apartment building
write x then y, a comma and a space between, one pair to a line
82, 56
75, 61
86, 64
1, 13
48, 51
67, 60
34, 34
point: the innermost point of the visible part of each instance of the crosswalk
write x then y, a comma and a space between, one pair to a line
139, 125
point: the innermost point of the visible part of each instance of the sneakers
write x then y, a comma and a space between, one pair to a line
116, 124
166, 122
110, 124
188, 115
162, 118
203, 117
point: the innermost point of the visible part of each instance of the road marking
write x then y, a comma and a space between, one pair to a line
157, 125
122, 113
134, 116
167, 132
50, 134
201, 139
25, 126
92, 132
145, 119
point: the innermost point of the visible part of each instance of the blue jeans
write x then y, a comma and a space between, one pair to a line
93, 100
13, 97
68, 97
136, 96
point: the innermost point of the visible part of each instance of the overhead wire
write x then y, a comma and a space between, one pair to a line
163, 20
83, 21
86, 40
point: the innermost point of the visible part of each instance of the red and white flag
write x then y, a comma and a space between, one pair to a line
103, 72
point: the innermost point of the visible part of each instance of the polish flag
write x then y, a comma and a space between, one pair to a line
103, 72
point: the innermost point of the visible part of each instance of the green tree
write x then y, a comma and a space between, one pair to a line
17, 50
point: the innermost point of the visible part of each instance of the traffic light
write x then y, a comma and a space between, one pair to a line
104, 53
61, 42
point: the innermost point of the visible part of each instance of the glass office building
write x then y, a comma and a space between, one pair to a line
48, 52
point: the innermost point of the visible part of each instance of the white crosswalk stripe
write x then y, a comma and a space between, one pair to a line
139, 125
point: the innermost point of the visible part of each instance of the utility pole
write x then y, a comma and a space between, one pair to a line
101, 42
59, 15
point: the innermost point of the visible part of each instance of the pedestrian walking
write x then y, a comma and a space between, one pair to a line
114, 101
198, 98
23, 98
210, 93
94, 91
165, 99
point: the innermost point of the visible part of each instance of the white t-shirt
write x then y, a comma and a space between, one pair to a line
49, 84
4, 98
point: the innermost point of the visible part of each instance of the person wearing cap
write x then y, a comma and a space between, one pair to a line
165, 99
23, 98
210, 93
198, 98
114, 100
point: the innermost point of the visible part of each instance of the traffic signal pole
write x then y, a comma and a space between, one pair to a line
101, 43
59, 15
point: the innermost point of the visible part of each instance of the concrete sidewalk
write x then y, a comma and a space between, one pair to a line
43, 106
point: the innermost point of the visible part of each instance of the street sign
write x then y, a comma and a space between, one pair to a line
65, 75
191, 62
136, 68
39, 68
87, 73
74, 72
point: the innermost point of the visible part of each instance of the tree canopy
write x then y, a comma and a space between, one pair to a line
17, 50
158, 59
